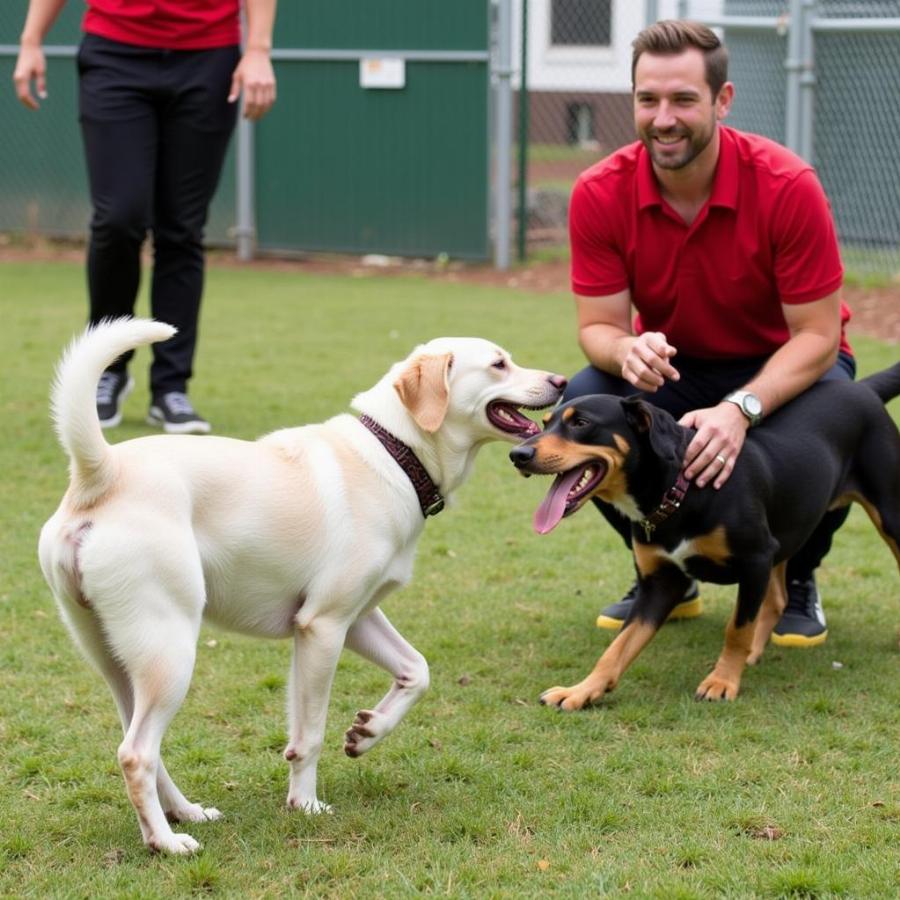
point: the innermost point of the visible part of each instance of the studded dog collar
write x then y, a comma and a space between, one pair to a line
671, 500
430, 499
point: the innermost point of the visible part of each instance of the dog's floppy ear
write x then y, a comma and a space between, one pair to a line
424, 389
661, 429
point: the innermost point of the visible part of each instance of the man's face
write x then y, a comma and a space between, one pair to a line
675, 113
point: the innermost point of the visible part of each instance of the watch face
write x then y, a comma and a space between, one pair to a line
752, 404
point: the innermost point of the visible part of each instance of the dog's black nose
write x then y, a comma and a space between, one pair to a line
521, 455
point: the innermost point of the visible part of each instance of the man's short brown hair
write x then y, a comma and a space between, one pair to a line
673, 36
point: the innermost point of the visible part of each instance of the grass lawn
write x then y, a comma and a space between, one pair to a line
791, 791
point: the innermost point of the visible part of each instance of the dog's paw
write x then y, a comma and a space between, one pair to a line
578, 696
364, 733
310, 805
567, 699
173, 843
714, 688
193, 812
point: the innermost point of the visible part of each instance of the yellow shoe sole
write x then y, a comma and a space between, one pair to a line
688, 609
798, 640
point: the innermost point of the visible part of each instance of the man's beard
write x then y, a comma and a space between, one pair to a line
695, 144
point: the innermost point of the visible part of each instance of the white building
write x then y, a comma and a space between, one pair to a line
579, 66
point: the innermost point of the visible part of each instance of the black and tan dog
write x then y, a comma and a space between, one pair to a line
833, 445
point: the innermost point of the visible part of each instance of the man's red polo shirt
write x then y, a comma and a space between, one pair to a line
166, 24
714, 288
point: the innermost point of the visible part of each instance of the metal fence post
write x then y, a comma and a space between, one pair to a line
801, 79
522, 237
503, 207
245, 224
808, 82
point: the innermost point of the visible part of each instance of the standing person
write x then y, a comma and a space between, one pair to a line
725, 245
158, 91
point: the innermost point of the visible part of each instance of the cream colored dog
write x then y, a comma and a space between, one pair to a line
300, 534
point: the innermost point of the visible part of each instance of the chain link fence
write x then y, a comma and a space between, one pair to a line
832, 97
576, 105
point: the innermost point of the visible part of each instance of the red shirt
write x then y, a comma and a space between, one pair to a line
714, 288
167, 24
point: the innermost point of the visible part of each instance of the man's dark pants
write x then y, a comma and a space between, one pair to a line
156, 126
704, 383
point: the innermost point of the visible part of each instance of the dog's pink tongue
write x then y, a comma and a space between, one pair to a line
552, 507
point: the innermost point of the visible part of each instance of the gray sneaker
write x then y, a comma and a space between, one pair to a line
802, 623
112, 390
176, 415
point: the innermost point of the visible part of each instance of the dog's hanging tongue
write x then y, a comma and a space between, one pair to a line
553, 506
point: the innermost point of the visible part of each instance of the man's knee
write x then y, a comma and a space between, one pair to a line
592, 380
119, 223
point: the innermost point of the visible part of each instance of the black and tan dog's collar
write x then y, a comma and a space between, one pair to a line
430, 499
670, 502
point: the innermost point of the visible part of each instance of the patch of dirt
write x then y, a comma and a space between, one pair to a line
876, 310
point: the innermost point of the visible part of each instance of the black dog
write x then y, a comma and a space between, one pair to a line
834, 444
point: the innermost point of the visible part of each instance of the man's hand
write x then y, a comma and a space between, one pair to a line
255, 77
711, 455
30, 65
646, 364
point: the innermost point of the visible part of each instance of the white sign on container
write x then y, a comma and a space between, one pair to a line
382, 72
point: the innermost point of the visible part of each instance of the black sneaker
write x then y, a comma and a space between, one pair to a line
615, 614
176, 415
112, 390
802, 623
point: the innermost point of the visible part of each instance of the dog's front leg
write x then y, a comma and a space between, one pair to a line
660, 587
772, 608
374, 638
633, 637
724, 682
317, 646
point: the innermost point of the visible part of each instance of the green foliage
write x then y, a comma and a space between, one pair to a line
790, 792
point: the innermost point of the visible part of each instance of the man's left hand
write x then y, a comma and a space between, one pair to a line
712, 453
255, 77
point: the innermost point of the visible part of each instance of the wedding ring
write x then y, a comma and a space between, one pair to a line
721, 458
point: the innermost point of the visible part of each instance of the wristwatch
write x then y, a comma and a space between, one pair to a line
749, 404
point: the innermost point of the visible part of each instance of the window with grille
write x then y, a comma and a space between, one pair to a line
580, 23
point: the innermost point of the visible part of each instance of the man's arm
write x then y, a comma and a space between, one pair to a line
254, 74
606, 338
811, 350
31, 65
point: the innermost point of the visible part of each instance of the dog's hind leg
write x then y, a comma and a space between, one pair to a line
176, 806
885, 516
160, 677
89, 636
374, 638
150, 644
875, 483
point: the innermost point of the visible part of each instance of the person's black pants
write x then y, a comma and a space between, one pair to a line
704, 383
156, 126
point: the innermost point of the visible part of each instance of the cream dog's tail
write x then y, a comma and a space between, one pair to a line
73, 404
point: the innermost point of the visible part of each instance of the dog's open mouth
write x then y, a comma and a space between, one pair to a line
506, 417
566, 493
